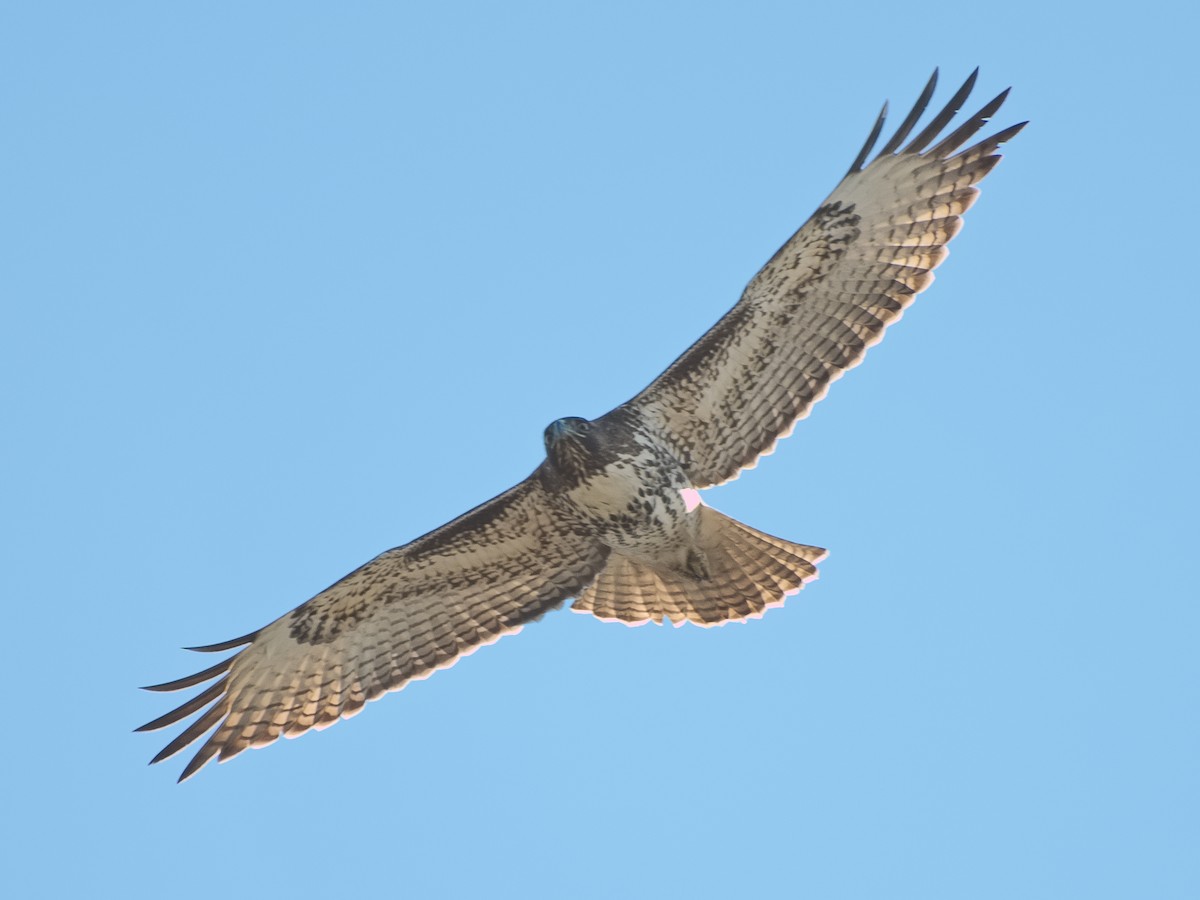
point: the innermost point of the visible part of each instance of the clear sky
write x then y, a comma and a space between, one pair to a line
285, 285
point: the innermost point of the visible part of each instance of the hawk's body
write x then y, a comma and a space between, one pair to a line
619, 482
611, 516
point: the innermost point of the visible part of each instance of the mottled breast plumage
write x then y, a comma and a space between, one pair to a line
621, 482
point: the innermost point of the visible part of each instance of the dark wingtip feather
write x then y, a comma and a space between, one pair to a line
197, 762
857, 165
913, 117
949, 111
189, 734
186, 709
960, 135
188, 681
225, 645
1006, 135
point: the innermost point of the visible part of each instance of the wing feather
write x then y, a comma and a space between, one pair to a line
826, 296
914, 116
402, 616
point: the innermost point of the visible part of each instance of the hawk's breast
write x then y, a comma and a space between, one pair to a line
628, 490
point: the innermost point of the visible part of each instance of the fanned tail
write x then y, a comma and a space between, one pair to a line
749, 573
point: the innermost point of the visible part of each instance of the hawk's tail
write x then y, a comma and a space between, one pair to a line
749, 572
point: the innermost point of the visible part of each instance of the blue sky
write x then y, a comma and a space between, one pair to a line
287, 285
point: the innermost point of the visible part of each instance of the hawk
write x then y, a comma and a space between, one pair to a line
612, 517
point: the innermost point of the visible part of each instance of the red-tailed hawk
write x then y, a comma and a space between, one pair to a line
611, 517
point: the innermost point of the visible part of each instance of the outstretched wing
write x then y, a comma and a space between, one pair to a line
406, 613
825, 296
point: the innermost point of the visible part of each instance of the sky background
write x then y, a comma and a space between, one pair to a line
285, 285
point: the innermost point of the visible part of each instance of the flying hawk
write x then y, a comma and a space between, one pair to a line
611, 517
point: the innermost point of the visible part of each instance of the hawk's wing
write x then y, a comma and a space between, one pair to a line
824, 297
404, 614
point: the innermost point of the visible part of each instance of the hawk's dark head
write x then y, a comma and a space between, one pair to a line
571, 449
560, 429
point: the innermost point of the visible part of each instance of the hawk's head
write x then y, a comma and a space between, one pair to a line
571, 448
569, 427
